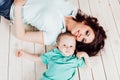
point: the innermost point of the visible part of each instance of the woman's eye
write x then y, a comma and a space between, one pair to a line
87, 33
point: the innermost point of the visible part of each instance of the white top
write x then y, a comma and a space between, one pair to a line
47, 16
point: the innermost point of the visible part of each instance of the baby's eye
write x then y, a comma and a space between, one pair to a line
64, 45
71, 46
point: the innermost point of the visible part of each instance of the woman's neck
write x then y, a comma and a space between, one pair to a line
70, 23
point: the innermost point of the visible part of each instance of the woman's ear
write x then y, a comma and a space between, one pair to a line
83, 22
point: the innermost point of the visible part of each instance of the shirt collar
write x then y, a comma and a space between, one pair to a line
60, 53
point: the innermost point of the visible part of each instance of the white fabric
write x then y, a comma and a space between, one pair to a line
46, 15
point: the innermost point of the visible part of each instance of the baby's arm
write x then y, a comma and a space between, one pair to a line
32, 57
86, 57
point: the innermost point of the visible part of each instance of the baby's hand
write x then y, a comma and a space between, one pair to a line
82, 54
19, 53
86, 57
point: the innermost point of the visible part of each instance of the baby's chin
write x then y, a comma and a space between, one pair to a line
69, 54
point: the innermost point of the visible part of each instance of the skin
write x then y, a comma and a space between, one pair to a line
81, 32
67, 45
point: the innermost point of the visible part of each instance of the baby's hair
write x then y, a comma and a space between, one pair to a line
63, 34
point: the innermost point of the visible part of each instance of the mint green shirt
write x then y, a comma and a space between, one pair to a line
60, 67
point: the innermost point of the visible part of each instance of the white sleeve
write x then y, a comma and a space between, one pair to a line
52, 27
50, 38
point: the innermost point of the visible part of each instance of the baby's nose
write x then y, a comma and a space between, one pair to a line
67, 47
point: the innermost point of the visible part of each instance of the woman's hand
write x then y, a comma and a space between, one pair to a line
19, 2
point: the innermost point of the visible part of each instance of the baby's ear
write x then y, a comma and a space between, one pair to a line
56, 45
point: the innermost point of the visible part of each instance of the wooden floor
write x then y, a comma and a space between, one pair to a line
105, 66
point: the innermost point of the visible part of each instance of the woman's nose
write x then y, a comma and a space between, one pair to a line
79, 38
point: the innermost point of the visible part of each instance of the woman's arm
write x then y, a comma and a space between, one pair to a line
20, 33
29, 56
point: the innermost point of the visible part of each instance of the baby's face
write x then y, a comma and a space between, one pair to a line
67, 45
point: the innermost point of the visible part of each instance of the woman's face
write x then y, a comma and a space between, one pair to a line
83, 33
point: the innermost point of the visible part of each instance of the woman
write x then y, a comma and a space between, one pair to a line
89, 34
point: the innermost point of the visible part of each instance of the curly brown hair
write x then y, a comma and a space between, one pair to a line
98, 43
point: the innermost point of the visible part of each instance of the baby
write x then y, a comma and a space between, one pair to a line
62, 61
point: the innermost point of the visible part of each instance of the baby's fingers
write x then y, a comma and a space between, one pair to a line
19, 54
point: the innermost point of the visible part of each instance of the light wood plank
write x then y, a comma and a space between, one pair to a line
15, 65
109, 63
77, 77
39, 67
86, 74
103, 13
97, 69
115, 9
86, 8
28, 67
77, 3
4, 49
